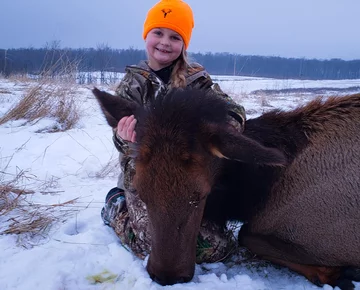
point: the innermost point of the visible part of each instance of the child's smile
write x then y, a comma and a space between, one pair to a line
163, 46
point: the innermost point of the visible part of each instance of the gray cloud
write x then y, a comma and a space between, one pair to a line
306, 28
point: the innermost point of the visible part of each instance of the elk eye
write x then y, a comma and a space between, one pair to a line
195, 199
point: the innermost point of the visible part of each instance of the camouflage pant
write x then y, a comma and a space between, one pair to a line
131, 226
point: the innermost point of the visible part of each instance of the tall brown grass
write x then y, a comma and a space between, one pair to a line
47, 99
110, 169
19, 214
22, 217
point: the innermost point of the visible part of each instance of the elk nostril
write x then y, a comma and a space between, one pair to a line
160, 281
169, 281
182, 280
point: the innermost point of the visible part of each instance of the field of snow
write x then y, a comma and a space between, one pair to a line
79, 249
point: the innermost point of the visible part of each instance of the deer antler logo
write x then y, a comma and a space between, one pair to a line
166, 12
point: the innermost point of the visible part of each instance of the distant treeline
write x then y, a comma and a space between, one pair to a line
104, 58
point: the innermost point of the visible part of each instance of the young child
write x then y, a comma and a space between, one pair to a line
167, 32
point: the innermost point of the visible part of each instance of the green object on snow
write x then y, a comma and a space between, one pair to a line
103, 277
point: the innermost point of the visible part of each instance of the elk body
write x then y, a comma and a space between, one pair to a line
292, 178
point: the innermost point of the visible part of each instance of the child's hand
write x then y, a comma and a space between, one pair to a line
126, 128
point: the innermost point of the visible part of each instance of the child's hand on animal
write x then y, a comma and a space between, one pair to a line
126, 128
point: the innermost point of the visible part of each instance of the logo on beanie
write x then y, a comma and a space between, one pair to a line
166, 12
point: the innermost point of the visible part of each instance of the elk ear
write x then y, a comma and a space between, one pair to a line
235, 146
114, 107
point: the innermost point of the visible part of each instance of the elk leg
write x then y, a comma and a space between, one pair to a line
295, 258
318, 275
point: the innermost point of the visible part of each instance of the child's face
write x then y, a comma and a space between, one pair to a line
163, 46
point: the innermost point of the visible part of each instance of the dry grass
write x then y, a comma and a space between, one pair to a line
20, 216
4, 91
47, 100
30, 218
20, 79
11, 195
51, 95
111, 169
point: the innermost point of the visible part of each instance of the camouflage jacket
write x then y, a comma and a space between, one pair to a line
140, 84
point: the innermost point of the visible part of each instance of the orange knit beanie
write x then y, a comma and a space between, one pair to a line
172, 14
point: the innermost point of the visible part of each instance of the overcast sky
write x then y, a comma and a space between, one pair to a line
290, 28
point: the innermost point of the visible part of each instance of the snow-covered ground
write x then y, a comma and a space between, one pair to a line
66, 165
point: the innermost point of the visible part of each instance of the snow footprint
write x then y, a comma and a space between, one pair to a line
75, 228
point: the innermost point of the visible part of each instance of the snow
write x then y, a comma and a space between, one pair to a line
63, 166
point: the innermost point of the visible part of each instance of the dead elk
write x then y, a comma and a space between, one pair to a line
292, 177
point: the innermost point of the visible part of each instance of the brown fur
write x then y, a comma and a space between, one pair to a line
299, 201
